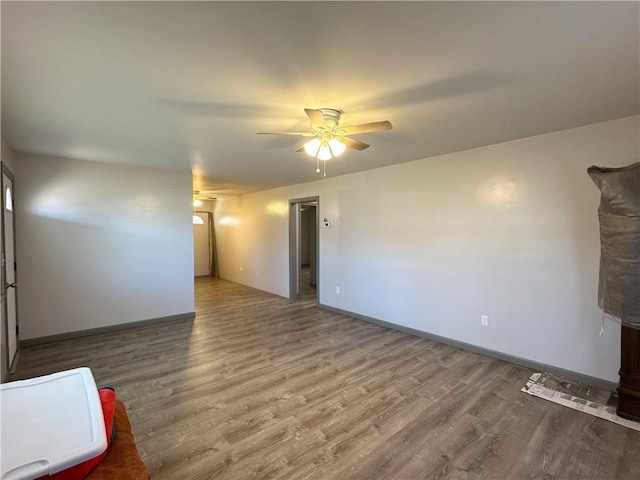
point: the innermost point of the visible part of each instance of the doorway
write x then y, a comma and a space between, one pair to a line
9, 281
204, 245
303, 248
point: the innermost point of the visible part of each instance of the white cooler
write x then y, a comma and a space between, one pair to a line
49, 423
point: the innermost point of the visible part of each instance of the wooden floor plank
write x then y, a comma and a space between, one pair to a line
258, 386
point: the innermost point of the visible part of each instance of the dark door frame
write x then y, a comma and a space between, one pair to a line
11, 363
294, 246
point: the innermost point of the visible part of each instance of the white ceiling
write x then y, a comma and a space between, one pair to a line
186, 86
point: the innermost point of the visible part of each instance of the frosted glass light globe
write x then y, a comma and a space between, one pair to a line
324, 153
337, 147
312, 147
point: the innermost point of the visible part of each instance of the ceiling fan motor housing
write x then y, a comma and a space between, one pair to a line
331, 116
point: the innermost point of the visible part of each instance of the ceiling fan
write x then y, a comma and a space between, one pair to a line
329, 139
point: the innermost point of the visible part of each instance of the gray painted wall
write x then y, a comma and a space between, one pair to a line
100, 244
508, 230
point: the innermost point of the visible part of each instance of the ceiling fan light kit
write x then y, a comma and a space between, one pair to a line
329, 139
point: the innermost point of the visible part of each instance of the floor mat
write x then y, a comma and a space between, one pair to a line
578, 396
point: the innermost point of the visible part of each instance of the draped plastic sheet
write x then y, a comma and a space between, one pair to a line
619, 215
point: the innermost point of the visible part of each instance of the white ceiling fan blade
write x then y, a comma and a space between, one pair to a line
316, 118
364, 128
353, 143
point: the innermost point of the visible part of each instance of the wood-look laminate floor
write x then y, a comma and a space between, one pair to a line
258, 386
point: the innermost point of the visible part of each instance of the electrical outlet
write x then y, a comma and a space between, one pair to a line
484, 320
337, 289
240, 267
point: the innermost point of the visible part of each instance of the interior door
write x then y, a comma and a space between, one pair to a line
10, 284
201, 244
